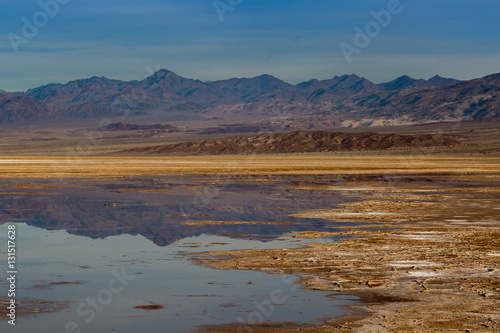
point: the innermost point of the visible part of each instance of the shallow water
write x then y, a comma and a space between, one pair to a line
106, 246
57, 266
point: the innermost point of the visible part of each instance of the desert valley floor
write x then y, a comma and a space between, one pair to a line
369, 240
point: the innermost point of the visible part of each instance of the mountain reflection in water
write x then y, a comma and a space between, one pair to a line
75, 234
157, 208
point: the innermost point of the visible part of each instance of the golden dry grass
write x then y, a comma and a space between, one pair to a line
195, 223
55, 167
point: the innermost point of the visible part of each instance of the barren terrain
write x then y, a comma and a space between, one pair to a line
426, 261
300, 142
39, 167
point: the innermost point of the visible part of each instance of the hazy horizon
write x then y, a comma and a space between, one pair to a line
194, 78
61, 40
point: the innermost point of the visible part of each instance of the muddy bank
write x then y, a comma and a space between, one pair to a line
428, 259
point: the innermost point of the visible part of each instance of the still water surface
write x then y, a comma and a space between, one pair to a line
98, 248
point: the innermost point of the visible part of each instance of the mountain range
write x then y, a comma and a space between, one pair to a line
343, 101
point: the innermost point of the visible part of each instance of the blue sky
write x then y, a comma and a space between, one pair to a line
295, 40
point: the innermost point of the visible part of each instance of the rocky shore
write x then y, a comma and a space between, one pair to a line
427, 260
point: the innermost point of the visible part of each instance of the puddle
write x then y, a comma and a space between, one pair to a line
424, 273
362, 214
418, 237
414, 263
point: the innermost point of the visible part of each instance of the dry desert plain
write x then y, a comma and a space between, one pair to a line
426, 258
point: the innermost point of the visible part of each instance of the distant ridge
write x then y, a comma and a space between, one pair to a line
343, 101
298, 142
406, 82
14, 108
